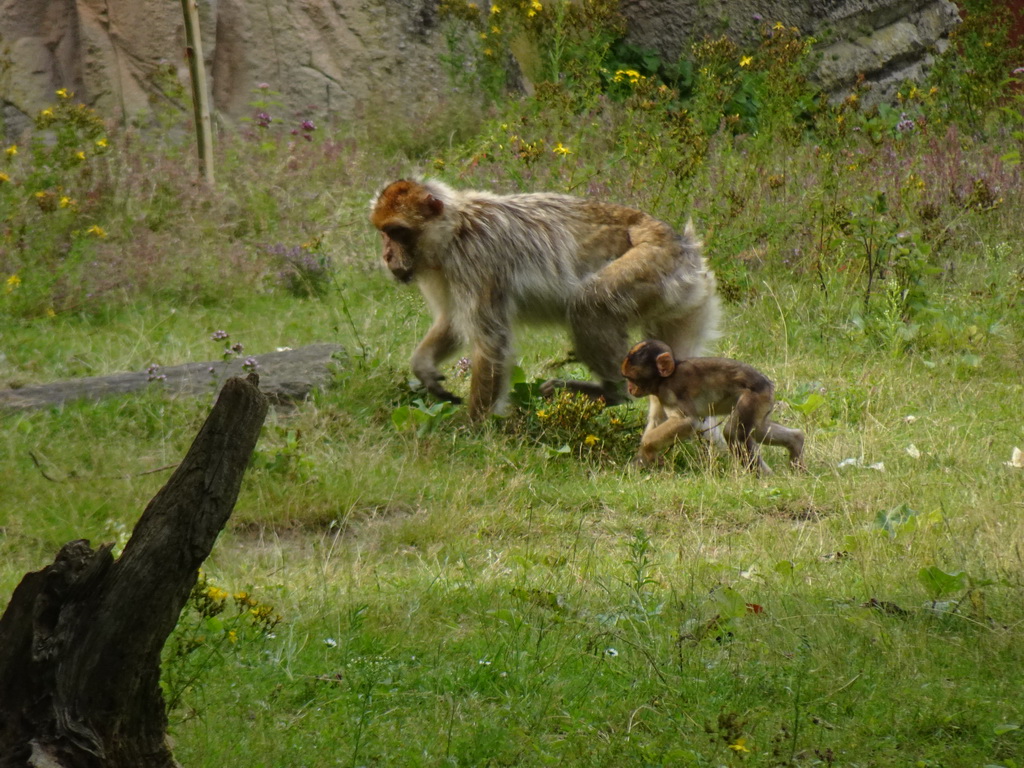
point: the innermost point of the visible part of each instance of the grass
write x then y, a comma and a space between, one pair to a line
479, 596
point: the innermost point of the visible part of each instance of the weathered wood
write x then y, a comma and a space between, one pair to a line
286, 376
80, 641
200, 92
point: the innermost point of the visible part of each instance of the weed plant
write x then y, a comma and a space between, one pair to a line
518, 593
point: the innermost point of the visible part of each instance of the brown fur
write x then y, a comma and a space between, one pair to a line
693, 390
485, 262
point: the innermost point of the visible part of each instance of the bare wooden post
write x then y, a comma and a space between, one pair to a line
200, 93
80, 640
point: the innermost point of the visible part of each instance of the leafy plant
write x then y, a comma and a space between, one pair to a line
939, 583
422, 417
214, 626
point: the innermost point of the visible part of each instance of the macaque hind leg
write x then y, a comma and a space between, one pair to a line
743, 434
772, 433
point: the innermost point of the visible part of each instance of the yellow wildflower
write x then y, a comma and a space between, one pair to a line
232, 636
740, 745
560, 150
66, 202
4, 177
13, 282
495, 8
778, 25
495, 30
101, 142
80, 155
47, 113
483, 35
97, 231
50, 312
12, 150
591, 440
746, 61
64, 93
542, 415
217, 594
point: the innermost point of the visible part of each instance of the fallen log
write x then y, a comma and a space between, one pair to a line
285, 376
80, 640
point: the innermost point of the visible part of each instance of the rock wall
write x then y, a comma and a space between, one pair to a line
888, 41
126, 57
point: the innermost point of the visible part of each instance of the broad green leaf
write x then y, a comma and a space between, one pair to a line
939, 583
731, 604
785, 567
892, 520
812, 402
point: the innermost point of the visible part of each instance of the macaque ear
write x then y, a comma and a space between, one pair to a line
434, 205
666, 364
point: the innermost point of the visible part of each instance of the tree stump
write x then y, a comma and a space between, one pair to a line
80, 640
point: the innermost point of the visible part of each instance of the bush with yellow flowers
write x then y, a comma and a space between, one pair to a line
215, 626
571, 423
50, 208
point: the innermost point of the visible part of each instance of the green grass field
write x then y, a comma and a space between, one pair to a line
518, 593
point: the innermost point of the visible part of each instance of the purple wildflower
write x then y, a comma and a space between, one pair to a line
263, 119
250, 364
219, 335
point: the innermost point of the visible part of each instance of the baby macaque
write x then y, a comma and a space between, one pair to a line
694, 389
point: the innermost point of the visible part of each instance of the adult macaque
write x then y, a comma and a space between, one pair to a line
485, 262
694, 389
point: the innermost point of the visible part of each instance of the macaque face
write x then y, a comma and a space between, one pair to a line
646, 365
637, 388
397, 254
402, 212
